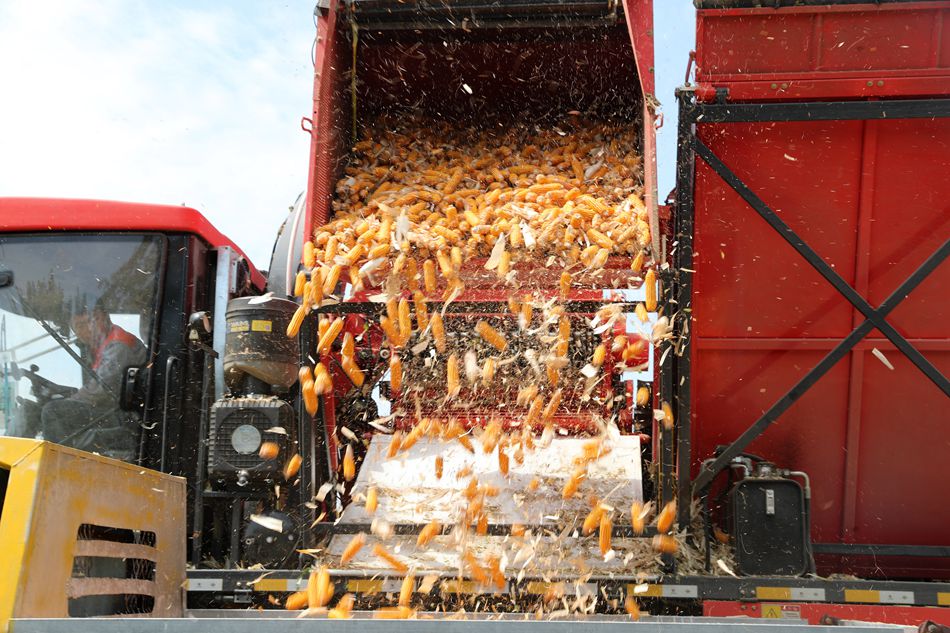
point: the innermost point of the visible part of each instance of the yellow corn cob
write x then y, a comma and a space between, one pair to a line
664, 520
295, 322
606, 525
394, 444
322, 382
477, 572
353, 547
637, 519
641, 312
319, 588
667, 416
429, 532
268, 450
331, 249
309, 254
600, 354
299, 282
488, 371
395, 373
310, 401
412, 275
428, 275
643, 396
631, 607
372, 500
600, 258
392, 309
343, 609
452, 376
665, 544
552, 373
348, 347
573, 483
534, 484
393, 613
438, 332
504, 265
354, 255
292, 467
565, 284
326, 341
439, 465
296, 601
491, 336
637, 264
391, 560
592, 521
445, 264
649, 284
408, 587
503, 462
412, 436
405, 320
422, 313
349, 463
552, 406
353, 372
517, 529
389, 329
534, 412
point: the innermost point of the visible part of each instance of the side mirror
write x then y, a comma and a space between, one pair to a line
6, 278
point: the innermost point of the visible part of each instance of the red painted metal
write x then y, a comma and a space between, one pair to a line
30, 215
817, 52
871, 198
814, 611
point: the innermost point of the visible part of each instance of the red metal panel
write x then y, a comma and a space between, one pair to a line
824, 51
742, 261
22, 215
734, 387
814, 611
872, 198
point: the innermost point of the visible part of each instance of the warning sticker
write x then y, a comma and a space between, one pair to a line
261, 326
239, 326
782, 611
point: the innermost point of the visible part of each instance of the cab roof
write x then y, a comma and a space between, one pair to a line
37, 215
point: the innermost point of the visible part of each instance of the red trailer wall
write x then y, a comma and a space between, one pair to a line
873, 198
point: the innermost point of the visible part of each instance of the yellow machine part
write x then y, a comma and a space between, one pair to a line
84, 535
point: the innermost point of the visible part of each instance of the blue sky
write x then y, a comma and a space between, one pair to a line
194, 102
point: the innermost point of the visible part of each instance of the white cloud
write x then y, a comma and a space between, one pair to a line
196, 104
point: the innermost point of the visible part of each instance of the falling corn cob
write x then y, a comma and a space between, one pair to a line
292, 467
353, 547
664, 521
649, 283
391, 560
491, 336
349, 464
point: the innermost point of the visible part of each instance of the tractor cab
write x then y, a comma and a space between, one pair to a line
98, 302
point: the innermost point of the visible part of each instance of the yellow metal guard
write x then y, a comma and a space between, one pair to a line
86, 535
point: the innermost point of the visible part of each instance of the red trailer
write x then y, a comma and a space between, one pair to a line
812, 205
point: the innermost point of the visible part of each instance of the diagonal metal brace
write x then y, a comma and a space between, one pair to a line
873, 318
824, 269
709, 472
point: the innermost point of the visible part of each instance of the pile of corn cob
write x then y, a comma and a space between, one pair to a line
419, 200
418, 205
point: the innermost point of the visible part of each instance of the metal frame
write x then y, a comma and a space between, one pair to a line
678, 588
677, 383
